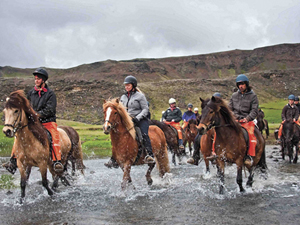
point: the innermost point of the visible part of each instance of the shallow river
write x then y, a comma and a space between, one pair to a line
185, 196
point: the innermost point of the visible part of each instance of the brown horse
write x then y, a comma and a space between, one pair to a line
190, 133
262, 123
31, 146
171, 138
230, 144
124, 145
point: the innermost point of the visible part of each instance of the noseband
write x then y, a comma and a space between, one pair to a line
16, 125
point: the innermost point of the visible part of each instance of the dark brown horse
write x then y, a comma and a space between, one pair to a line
190, 133
290, 138
262, 123
31, 146
171, 138
124, 145
230, 144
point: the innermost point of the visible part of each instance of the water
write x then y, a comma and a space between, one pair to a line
185, 196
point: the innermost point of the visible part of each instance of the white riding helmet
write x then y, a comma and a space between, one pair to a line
196, 109
172, 100
162, 112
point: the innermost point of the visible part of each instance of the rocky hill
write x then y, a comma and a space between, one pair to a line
274, 72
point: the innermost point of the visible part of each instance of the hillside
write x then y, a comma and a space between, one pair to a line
274, 72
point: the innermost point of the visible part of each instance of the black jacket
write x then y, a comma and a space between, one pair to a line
170, 115
289, 112
44, 105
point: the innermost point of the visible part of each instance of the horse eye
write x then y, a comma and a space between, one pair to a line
115, 113
16, 111
211, 112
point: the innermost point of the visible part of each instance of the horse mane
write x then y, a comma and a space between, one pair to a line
193, 121
17, 99
125, 117
226, 113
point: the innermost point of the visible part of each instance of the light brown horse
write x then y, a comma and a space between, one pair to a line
230, 144
190, 133
124, 145
31, 146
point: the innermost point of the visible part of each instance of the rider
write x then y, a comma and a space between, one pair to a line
244, 104
289, 111
43, 101
136, 104
173, 116
297, 103
188, 115
194, 160
198, 116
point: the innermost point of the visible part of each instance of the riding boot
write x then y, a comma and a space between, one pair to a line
180, 143
248, 161
149, 159
58, 166
194, 160
112, 163
11, 165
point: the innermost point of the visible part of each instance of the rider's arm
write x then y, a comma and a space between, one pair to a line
179, 116
253, 109
283, 113
49, 108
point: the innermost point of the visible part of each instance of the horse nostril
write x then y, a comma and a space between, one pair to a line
7, 132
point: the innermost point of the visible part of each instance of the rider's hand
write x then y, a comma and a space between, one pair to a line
173, 120
244, 120
164, 120
135, 120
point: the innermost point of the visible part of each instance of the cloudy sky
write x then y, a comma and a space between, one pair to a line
68, 33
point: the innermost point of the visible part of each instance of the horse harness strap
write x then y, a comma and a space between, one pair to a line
139, 139
16, 126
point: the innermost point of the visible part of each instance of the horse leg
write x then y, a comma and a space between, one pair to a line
222, 176
43, 171
239, 178
28, 172
148, 174
250, 178
126, 175
23, 181
174, 158
207, 165
296, 155
190, 147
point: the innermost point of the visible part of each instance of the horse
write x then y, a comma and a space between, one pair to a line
290, 138
32, 146
190, 134
230, 144
171, 138
262, 123
125, 148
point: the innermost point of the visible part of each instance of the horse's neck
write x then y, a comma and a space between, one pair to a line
25, 138
118, 134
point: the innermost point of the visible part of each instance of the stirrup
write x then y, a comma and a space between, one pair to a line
191, 161
213, 156
248, 161
10, 167
181, 147
58, 167
111, 164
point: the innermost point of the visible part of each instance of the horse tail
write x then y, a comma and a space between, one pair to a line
267, 128
75, 154
163, 165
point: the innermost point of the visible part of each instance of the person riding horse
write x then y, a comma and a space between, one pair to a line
188, 115
297, 103
198, 116
289, 111
244, 104
137, 107
43, 101
173, 116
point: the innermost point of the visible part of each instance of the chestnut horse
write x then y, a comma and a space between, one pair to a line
124, 145
230, 144
171, 138
31, 146
290, 138
190, 132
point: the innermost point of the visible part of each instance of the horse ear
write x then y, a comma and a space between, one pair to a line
201, 99
104, 101
117, 100
213, 99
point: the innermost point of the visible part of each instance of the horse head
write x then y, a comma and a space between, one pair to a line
15, 110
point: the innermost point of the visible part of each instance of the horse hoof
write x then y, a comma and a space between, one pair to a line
150, 182
190, 161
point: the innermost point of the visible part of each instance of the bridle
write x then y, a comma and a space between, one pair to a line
114, 125
17, 123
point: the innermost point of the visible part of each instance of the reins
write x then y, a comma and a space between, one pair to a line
17, 125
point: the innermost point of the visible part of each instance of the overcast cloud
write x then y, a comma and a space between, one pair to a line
63, 34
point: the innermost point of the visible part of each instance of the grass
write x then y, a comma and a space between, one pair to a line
6, 182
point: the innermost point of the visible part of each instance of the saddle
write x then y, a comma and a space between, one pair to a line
174, 129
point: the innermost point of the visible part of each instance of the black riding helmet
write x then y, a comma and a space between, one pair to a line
42, 73
131, 80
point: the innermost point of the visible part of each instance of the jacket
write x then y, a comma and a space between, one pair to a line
136, 104
289, 112
170, 115
244, 105
44, 105
188, 115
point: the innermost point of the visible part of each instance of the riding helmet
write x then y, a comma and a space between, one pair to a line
217, 94
242, 78
131, 80
40, 72
190, 105
196, 109
172, 100
296, 98
291, 97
